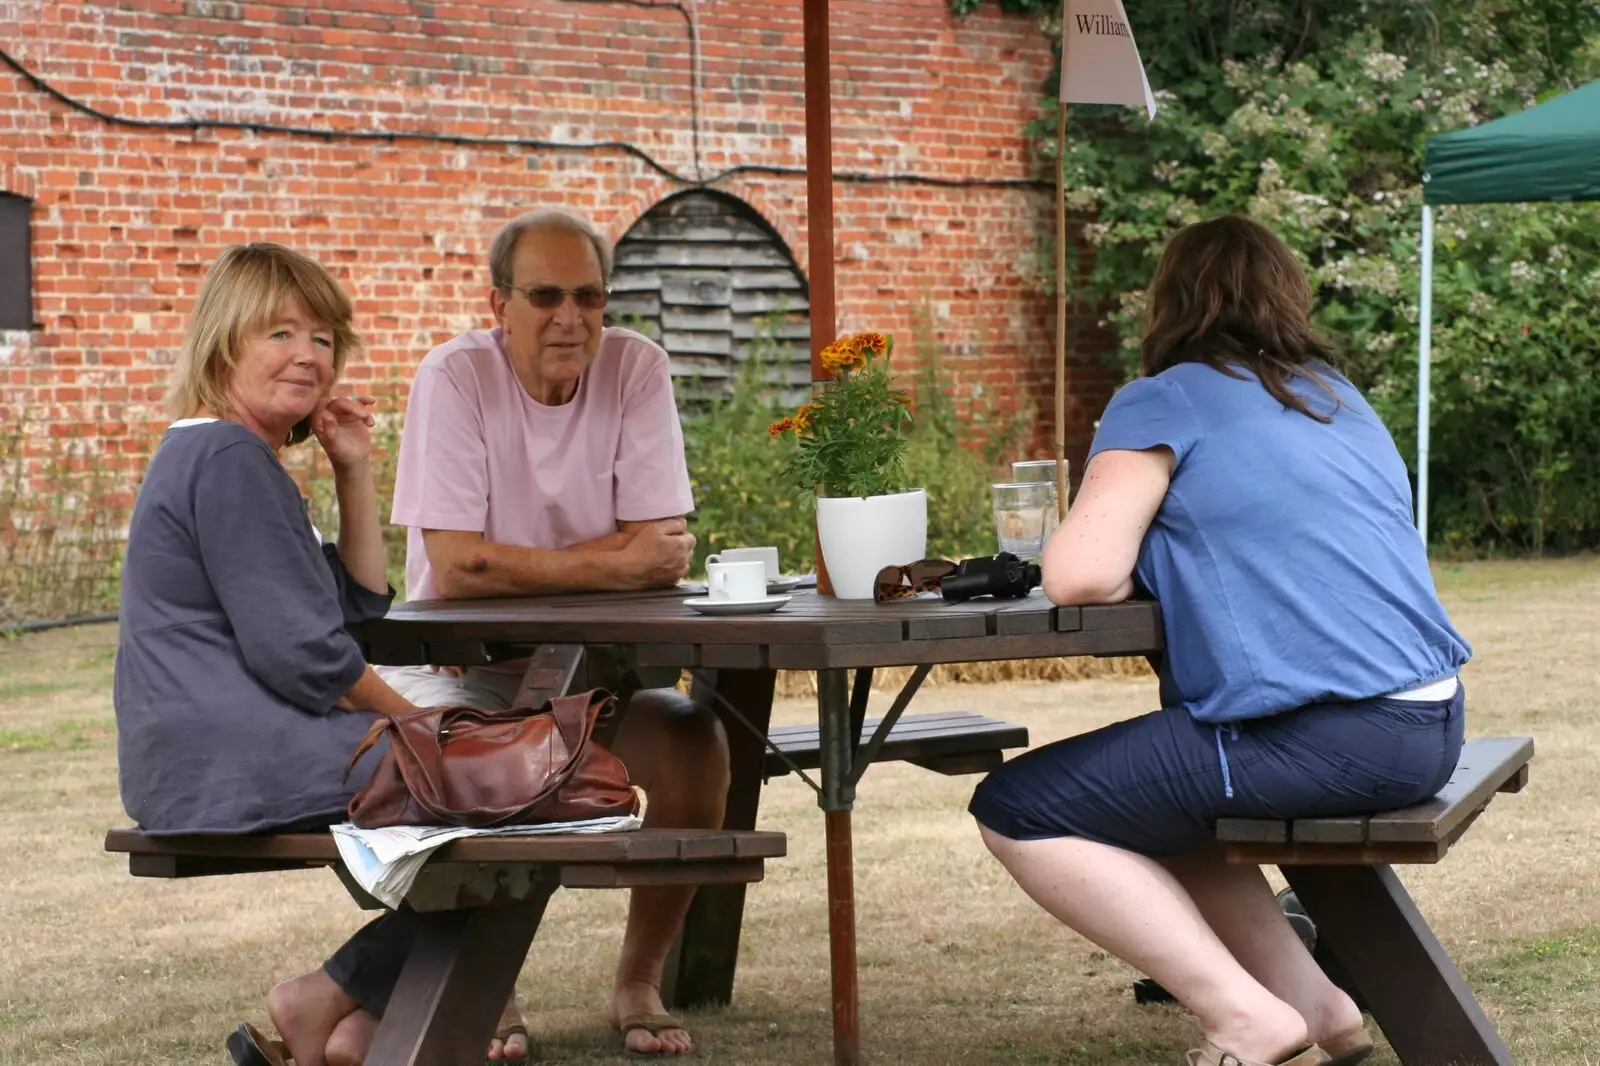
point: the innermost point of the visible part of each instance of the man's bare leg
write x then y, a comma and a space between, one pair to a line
678, 754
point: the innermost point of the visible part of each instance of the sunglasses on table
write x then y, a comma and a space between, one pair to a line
898, 582
550, 297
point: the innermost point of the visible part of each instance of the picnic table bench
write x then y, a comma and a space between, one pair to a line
1341, 870
480, 901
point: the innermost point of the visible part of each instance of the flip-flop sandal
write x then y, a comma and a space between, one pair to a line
1347, 1049
653, 1024
506, 1032
1208, 1054
249, 1048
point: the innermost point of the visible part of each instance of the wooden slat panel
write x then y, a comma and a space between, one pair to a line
704, 288
683, 342
1015, 619
720, 872
1485, 764
722, 255
1252, 830
645, 303
703, 319
1351, 830
1367, 854
642, 845
757, 302
782, 280
946, 735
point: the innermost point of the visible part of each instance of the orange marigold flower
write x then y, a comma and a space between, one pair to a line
805, 416
842, 355
780, 427
873, 345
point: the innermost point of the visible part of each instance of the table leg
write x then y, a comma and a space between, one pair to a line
1416, 994
838, 796
461, 969
701, 968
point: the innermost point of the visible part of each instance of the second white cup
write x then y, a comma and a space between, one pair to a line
737, 582
767, 556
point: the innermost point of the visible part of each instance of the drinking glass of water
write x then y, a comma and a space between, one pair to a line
1024, 516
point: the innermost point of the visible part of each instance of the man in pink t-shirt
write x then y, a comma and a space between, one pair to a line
545, 456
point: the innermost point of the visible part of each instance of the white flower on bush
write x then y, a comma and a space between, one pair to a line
1480, 304
1522, 272
1558, 253
1164, 171
1383, 67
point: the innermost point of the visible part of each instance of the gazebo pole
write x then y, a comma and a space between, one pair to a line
1061, 311
1424, 375
832, 705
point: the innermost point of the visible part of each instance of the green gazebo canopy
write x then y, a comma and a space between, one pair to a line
1548, 152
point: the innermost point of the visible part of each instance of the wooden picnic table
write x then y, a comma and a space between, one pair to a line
735, 660
1339, 867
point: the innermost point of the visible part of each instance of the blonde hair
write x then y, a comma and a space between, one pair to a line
246, 289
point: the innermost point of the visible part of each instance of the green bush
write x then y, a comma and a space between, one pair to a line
1311, 115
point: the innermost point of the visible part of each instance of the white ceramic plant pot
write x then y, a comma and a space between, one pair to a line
862, 535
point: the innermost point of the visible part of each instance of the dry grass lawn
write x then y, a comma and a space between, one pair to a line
957, 967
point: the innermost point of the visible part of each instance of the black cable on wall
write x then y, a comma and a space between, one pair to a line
527, 143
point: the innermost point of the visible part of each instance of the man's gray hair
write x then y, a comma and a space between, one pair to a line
503, 249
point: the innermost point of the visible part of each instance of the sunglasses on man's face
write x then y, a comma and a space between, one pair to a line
898, 582
550, 297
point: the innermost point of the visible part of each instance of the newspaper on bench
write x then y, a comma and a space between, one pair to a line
385, 861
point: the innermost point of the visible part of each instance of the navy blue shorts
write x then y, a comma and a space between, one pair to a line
1157, 784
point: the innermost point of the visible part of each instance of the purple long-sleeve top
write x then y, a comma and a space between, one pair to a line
233, 649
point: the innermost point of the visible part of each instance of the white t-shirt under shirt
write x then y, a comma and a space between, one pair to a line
479, 454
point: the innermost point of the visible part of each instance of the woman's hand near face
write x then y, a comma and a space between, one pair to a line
344, 429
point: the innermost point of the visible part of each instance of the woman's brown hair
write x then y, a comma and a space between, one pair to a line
1229, 294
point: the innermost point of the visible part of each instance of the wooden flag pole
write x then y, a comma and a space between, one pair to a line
1061, 311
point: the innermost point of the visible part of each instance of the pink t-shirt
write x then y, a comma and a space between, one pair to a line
478, 453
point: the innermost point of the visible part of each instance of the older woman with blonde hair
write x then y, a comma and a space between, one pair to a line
1309, 670
239, 693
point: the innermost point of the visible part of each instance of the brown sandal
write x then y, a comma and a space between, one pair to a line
654, 1024
1208, 1054
511, 1025
248, 1047
1347, 1049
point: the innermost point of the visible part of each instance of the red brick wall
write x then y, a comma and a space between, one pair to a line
126, 220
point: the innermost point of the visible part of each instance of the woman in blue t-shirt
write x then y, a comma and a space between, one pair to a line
1309, 668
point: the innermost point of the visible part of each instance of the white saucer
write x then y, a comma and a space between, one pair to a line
786, 583
707, 605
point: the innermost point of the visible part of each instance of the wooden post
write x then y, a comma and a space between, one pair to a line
819, 182
1061, 311
819, 204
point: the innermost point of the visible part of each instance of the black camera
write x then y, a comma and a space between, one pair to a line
1003, 576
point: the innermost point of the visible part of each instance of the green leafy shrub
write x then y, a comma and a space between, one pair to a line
1311, 116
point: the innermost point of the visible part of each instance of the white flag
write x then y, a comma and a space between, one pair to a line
1099, 61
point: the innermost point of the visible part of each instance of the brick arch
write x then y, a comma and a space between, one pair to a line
647, 194
713, 281
18, 182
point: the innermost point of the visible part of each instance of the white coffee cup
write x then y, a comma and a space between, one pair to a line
767, 556
737, 582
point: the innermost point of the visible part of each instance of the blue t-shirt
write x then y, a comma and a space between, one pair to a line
1284, 555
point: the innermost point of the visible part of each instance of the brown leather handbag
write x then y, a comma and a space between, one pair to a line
463, 766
